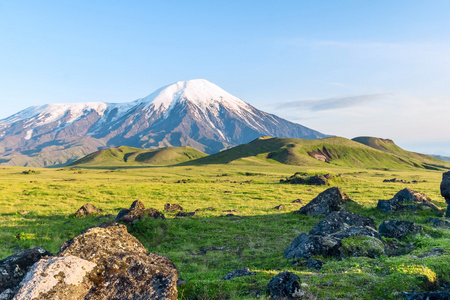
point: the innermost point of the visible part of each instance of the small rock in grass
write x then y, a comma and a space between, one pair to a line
87, 210
297, 201
285, 285
183, 214
398, 229
172, 207
279, 207
238, 273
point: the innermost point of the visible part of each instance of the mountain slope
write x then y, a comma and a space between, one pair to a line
334, 150
389, 146
192, 113
129, 156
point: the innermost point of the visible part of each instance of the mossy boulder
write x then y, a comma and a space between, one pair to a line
359, 245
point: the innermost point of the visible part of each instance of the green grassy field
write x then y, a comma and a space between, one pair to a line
37, 209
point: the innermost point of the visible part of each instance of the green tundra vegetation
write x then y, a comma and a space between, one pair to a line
38, 206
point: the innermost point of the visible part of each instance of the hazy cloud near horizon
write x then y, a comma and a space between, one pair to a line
331, 103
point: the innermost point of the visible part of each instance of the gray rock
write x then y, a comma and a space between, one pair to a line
87, 210
439, 223
182, 214
305, 246
407, 199
332, 199
137, 204
124, 268
338, 221
314, 263
56, 278
14, 267
398, 229
238, 273
285, 285
137, 212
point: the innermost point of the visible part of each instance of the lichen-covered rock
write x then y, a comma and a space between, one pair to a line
398, 229
56, 278
124, 268
332, 199
172, 207
304, 246
285, 285
337, 221
87, 210
137, 204
14, 267
238, 273
407, 199
359, 245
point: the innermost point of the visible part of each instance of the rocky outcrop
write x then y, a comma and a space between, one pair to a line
56, 278
87, 210
238, 273
14, 267
406, 199
445, 191
398, 229
325, 238
137, 212
285, 285
124, 268
332, 199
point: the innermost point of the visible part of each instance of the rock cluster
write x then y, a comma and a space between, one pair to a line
406, 199
301, 178
136, 212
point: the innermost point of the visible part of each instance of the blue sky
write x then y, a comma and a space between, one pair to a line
348, 68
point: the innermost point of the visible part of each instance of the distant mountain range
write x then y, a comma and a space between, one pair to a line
193, 113
361, 152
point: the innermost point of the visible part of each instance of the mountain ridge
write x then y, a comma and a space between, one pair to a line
192, 113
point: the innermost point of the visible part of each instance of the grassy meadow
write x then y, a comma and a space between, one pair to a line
37, 209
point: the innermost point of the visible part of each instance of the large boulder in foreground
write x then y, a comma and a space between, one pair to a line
398, 229
332, 199
445, 191
56, 278
136, 212
285, 285
14, 267
124, 268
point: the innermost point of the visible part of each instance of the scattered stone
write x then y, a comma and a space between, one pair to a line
137, 212
340, 220
395, 180
398, 229
230, 210
124, 268
439, 223
172, 207
14, 267
56, 278
227, 192
332, 199
87, 210
238, 273
314, 263
297, 201
285, 285
445, 191
279, 207
427, 296
183, 214
407, 199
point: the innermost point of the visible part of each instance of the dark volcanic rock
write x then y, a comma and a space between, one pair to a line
357, 230
124, 268
445, 191
285, 285
388, 206
172, 207
136, 212
279, 207
304, 246
332, 199
87, 210
183, 214
337, 221
297, 201
427, 296
314, 263
398, 229
439, 223
238, 273
14, 267
406, 199
394, 180
300, 178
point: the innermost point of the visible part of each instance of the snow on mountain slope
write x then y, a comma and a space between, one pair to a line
193, 113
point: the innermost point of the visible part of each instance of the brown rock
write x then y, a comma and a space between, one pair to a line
87, 210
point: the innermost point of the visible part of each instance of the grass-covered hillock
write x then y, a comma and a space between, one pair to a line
303, 152
129, 156
37, 209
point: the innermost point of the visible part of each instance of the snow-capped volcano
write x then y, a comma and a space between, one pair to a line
194, 113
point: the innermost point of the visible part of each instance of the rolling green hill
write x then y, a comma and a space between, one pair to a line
329, 151
129, 156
